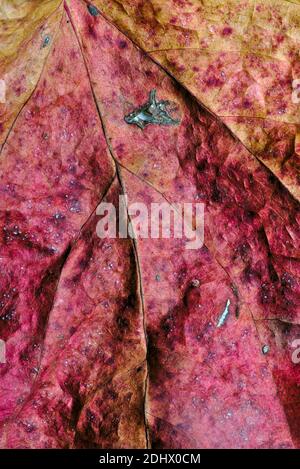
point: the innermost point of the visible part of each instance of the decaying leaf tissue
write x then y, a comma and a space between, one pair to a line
146, 340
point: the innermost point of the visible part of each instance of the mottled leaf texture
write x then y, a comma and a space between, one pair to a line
143, 343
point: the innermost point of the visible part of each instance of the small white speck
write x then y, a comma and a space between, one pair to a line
2, 91
224, 315
195, 282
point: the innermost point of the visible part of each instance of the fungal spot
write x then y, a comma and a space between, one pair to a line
265, 349
58, 216
46, 41
157, 277
29, 427
122, 44
93, 10
152, 112
224, 315
91, 31
75, 206
227, 31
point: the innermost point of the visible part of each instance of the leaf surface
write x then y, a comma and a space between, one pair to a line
238, 58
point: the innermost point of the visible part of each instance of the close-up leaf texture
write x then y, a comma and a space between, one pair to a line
139, 342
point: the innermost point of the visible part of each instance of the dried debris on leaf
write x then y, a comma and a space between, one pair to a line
153, 112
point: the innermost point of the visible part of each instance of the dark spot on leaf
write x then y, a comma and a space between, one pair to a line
227, 31
93, 10
122, 44
46, 41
